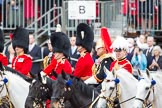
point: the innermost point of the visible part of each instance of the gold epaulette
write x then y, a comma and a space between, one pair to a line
109, 55
45, 62
94, 69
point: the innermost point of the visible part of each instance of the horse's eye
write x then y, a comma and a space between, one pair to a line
107, 80
111, 88
147, 88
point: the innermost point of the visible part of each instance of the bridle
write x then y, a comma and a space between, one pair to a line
37, 100
146, 103
5, 99
113, 102
37, 103
68, 92
110, 100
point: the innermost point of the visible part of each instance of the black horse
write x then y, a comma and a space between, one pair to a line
40, 93
73, 89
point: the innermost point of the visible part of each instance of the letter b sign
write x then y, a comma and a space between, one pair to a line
82, 9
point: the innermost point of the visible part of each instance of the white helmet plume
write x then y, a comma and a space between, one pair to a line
120, 42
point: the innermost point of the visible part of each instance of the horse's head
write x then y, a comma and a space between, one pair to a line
109, 85
145, 89
38, 92
62, 90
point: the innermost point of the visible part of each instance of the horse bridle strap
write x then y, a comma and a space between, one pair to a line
6, 100
1, 73
145, 102
36, 101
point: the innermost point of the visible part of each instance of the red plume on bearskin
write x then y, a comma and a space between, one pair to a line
106, 39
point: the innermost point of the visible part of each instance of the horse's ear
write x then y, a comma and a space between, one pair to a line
148, 73
113, 72
39, 77
1, 67
32, 75
63, 74
139, 73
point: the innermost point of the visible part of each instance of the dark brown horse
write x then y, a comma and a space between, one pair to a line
73, 89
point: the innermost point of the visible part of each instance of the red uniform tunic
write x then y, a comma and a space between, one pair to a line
3, 59
84, 65
22, 63
58, 67
123, 63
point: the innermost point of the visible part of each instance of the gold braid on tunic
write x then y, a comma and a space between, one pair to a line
96, 66
46, 61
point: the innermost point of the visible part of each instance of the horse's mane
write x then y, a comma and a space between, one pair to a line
84, 88
122, 73
18, 73
127, 80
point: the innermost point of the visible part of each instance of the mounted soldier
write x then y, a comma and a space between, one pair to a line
120, 46
84, 42
105, 58
61, 48
20, 41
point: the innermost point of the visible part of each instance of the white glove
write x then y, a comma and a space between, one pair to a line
44, 78
91, 80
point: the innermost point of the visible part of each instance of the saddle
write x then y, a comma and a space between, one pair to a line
6, 103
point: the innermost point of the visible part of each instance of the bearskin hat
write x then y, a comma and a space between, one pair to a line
60, 43
21, 38
85, 36
1, 41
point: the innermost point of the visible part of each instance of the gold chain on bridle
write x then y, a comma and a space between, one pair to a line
146, 103
5, 99
110, 100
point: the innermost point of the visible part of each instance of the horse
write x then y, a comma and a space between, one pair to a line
14, 86
118, 89
149, 92
73, 89
38, 92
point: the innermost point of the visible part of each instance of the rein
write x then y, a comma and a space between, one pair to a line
111, 101
37, 102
